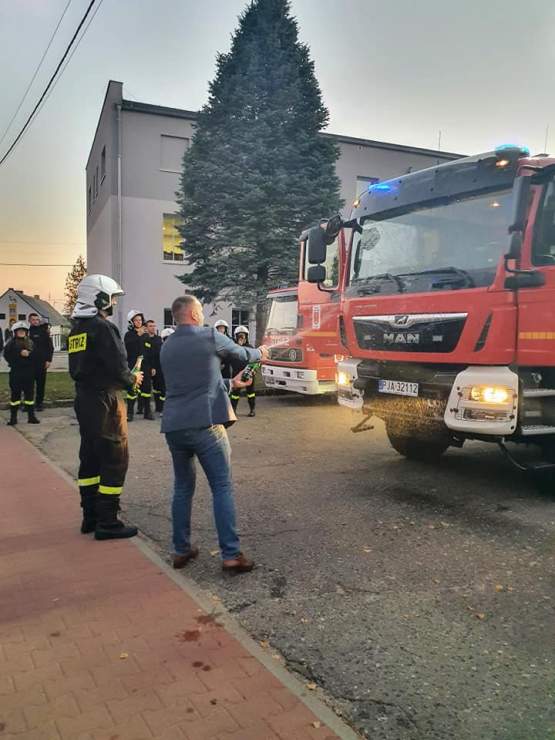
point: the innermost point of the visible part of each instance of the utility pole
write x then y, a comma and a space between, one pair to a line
439, 140
545, 150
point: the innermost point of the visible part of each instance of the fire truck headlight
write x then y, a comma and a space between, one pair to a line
494, 394
343, 379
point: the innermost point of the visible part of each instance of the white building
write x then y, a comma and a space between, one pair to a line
16, 306
132, 175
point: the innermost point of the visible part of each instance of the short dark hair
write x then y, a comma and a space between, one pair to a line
150, 321
182, 302
33, 314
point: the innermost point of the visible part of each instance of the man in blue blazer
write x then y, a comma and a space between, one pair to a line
196, 414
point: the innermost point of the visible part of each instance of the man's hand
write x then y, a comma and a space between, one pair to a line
139, 377
46, 365
153, 372
141, 330
25, 353
264, 351
236, 382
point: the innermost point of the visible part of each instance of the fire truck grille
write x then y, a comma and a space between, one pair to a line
286, 354
436, 333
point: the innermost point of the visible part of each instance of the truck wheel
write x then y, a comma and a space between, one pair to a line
421, 445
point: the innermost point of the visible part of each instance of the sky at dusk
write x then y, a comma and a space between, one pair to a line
480, 72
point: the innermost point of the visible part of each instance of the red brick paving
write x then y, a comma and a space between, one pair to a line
97, 643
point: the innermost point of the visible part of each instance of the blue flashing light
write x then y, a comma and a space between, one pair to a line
524, 151
381, 186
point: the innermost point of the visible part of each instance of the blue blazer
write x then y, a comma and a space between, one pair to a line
196, 394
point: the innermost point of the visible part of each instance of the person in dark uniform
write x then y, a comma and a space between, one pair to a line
161, 381
153, 345
241, 336
98, 365
135, 339
222, 326
42, 355
18, 353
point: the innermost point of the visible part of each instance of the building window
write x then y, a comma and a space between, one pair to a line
171, 238
21, 317
2, 316
103, 165
89, 198
168, 318
172, 149
363, 183
239, 316
96, 184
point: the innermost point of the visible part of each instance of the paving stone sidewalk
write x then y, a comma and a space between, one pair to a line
97, 641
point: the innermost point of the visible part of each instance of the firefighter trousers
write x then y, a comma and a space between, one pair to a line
235, 395
159, 389
103, 454
21, 384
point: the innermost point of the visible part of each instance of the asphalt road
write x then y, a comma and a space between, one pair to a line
419, 598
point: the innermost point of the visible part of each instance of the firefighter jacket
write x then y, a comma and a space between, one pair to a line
236, 365
44, 349
21, 366
97, 358
152, 346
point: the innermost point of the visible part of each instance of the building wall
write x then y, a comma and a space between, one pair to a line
101, 239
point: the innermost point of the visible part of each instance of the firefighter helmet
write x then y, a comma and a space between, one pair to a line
94, 293
241, 330
20, 325
131, 315
221, 322
165, 333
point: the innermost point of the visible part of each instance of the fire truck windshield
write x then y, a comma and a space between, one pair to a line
283, 315
447, 246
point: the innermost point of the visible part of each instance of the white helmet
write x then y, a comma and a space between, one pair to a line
165, 333
20, 325
221, 322
241, 330
94, 293
131, 315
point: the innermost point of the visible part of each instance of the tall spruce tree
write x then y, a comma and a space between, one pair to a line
258, 171
78, 272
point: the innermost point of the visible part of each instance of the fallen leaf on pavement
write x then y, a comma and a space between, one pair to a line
123, 656
480, 615
366, 549
317, 725
213, 552
264, 643
499, 588
311, 686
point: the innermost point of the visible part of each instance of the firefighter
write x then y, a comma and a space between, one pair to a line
39, 333
241, 336
161, 382
97, 364
135, 339
18, 353
222, 326
153, 345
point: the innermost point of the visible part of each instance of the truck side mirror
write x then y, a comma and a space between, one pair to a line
316, 246
316, 274
333, 228
521, 199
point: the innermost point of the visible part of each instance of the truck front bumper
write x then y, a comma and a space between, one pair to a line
295, 380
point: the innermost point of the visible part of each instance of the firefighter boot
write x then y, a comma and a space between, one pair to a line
147, 409
130, 409
158, 403
141, 405
32, 419
108, 526
252, 403
88, 504
13, 416
234, 397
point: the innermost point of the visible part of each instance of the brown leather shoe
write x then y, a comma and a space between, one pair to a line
180, 561
240, 564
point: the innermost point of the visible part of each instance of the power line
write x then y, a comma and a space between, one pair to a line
39, 65
41, 242
29, 264
71, 55
49, 85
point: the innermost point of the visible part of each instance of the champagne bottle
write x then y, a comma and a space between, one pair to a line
249, 371
137, 368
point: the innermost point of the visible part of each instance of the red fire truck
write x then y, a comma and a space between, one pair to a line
448, 305
302, 329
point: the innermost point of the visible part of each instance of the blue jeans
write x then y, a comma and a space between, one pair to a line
212, 448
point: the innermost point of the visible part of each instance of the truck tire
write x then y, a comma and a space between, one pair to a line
422, 445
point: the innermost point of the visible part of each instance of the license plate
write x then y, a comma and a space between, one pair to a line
398, 387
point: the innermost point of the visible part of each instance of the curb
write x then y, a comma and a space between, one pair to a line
315, 703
